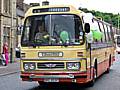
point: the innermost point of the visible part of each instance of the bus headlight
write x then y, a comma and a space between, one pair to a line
60, 54
40, 54
26, 67
73, 65
32, 66
29, 66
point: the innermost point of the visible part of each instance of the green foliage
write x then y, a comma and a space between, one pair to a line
107, 17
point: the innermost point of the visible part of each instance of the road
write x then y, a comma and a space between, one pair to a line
109, 81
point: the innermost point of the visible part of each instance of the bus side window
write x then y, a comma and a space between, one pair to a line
102, 30
106, 32
96, 25
109, 32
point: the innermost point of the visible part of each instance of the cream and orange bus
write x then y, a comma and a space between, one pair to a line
117, 46
63, 53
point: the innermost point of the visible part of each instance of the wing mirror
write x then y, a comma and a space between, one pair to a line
87, 27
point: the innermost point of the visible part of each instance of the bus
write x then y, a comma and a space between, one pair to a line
117, 46
68, 51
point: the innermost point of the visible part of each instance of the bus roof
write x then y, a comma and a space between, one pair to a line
56, 9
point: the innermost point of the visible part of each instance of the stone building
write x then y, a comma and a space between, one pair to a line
19, 4
8, 26
20, 15
21, 8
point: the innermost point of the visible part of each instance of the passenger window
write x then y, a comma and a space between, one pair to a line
109, 32
96, 26
102, 30
106, 32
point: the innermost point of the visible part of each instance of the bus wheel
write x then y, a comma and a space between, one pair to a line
91, 83
108, 69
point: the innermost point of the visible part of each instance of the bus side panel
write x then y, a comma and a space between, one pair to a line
102, 59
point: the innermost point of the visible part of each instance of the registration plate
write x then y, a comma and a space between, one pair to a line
51, 80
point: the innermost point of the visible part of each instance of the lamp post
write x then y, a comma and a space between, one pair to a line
11, 49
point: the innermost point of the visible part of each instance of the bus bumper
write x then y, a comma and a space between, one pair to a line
68, 78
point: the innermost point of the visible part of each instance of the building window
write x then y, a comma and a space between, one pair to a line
7, 6
6, 35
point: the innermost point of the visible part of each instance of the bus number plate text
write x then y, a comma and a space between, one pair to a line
51, 80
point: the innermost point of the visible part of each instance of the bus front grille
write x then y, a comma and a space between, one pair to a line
50, 65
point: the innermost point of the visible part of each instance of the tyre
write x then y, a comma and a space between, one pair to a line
91, 83
108, 69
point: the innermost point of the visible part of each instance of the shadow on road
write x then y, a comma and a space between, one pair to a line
60, 87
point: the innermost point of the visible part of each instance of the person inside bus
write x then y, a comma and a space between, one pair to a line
41, 35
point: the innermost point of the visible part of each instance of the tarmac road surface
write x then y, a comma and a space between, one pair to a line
109, 81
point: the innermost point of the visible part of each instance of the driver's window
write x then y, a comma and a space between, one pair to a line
26, 36
27, 30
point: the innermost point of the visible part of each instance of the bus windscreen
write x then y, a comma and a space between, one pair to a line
52, 30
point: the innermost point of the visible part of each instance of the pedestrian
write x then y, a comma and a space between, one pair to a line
5, 52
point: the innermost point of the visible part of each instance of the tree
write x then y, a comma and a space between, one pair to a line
107, 17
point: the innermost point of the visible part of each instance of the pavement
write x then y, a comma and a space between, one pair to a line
11, 68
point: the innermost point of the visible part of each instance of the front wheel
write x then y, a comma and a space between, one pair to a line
108, 69
92, 82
